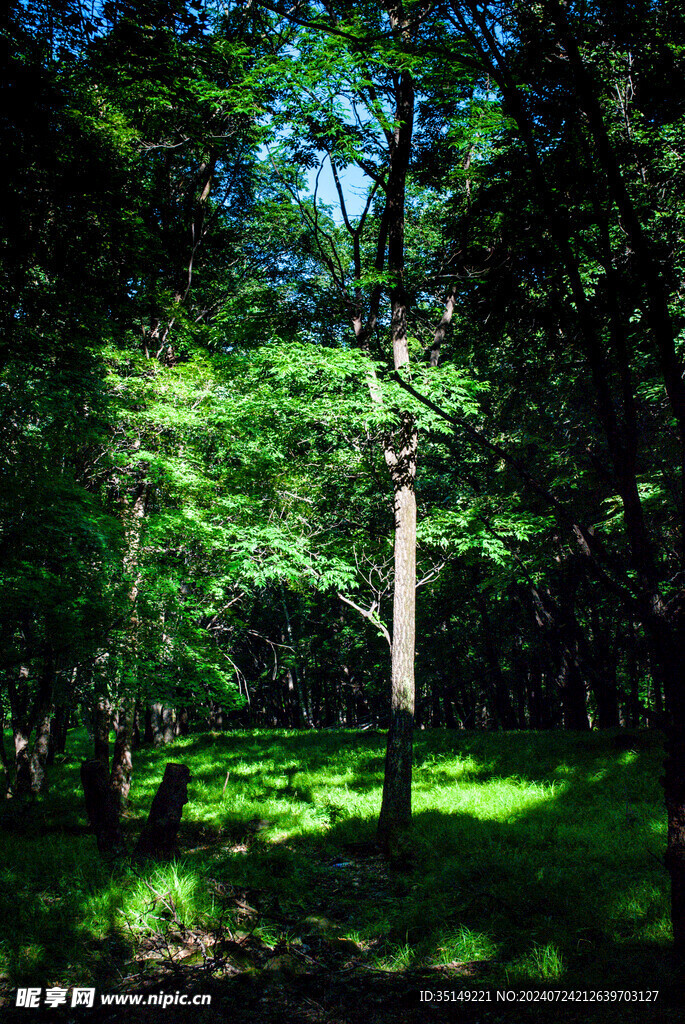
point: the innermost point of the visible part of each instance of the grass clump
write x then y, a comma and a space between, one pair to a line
544, 963
170, 894
464, 945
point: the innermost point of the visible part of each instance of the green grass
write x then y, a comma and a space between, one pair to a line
536, 861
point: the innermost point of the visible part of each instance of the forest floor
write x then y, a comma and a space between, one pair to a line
536, 868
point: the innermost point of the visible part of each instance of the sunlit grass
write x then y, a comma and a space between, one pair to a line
536, 856
544, 963
462, 945
171, 891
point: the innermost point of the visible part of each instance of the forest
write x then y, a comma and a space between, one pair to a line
342, 412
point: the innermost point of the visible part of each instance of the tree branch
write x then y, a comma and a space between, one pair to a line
371, 615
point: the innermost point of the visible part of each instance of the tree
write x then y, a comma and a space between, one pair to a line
351, 103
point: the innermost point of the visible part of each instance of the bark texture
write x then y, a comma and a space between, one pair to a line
101, 805
162, 725
572, 693
102, 716
39, 756
30, 763
22, 761
400, 457
158, 838
122, 762
395, 816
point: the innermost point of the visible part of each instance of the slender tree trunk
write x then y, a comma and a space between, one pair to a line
519, 688
668, 641
395, 814
148, 734
502, 698
634, 677
22, 762
605, 688
122, 762
674, 789
168, 725
572, 693
295, 688
30, 764
135, 736
39, 755
400, 457
534, 686
450, 720
21, 729
58, 731
435, 707
102, 715
4, 758
657, 693
571, 678
156, 710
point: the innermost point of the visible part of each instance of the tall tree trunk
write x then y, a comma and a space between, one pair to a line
302, 710
450, 720
30, 775
39, 755
156, 710
669, 643
21, 729
534, 687
572, 692
400, 456
148, 733
571, 678
605, 687
502, 698
4, 758
59, 728
22, 762
41, 715
519, 687
122, 762
435, 707
395, 816
183, 722
634, 677
135, 732
102, 716
168, 724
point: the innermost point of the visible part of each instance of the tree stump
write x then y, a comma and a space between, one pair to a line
101, 805
158, 838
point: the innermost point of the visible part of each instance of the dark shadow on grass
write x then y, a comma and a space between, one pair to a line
577, 871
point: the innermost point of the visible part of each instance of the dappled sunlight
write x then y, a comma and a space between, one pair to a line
540, 874
506, 798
